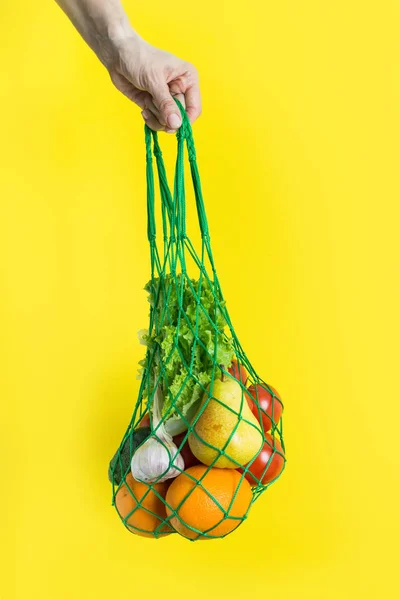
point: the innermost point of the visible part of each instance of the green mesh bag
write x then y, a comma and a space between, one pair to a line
205, 439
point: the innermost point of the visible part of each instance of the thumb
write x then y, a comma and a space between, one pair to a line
168, 109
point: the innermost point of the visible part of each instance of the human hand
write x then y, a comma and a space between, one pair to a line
146, 75
152, 78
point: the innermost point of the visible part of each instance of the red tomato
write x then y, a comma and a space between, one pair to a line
238, 371
188, 457
271, 408
257, 468
145, 422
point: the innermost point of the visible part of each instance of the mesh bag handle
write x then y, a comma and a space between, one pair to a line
173, 206
183, 135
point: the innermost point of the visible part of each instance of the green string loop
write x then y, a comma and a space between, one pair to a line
151, 222
174, 207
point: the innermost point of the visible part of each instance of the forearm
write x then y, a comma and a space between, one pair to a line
103, 24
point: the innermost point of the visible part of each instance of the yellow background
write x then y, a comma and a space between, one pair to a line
299, 155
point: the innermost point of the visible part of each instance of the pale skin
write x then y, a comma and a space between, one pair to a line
150, 77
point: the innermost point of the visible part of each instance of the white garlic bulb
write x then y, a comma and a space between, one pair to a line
158, 458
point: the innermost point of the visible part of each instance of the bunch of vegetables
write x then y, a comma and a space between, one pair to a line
202, 419
191, 338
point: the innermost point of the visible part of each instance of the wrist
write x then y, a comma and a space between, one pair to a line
111, 46
108, 30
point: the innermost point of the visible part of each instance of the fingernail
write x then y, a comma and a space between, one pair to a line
174, 121
170, 131
145, 114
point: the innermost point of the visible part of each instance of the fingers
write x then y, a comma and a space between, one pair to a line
169, 113
139, 97
151, 121
191, 102
186, 89
152, 117
179, 96
160, 111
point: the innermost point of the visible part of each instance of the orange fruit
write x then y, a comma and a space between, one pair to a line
199, 511
133, 499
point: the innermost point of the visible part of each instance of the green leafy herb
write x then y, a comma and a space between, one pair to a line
186, 340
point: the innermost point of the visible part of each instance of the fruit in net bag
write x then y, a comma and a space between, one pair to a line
142, 507
207, 503
226, 434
